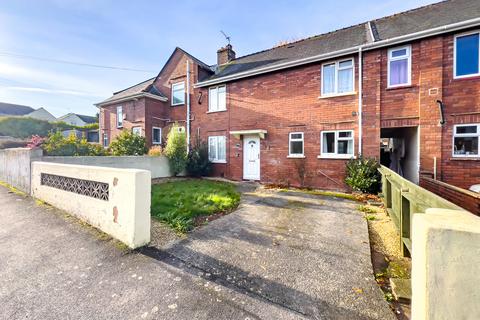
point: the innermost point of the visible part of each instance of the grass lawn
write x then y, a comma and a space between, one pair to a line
178, 203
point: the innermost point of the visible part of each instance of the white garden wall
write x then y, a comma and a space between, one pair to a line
158, 166
15, 166
116, 201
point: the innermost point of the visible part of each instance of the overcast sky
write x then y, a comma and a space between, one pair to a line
141, 35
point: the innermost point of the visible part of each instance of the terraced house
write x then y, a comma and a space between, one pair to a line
404, 89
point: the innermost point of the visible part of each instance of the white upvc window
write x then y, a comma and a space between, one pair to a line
178, 93
466, 140
217, 99
119, 117
217, 149
105, 140
399, 67
295, 145
338, 78
466, 55
336, 144
156, 135
137, 131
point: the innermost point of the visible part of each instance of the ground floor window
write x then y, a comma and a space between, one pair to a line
465, 140
137, 131
105, 140
217, 149
156, 135
337, 144
295, 144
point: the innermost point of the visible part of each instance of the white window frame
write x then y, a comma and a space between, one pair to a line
105, 140
136, 128
217, 98
465, 135
335, 154
153, 136
216, 159
337, 68
173, 89
408, 56
119, 117
455, 55
290, 140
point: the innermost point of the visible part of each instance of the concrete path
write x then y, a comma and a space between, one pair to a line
281, 256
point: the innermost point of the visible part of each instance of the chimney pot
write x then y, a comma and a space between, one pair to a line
225, 54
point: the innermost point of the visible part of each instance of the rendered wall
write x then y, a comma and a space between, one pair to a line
15, 166
445, 262
158, 166
125, 215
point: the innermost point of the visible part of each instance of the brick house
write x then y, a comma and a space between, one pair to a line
403, 88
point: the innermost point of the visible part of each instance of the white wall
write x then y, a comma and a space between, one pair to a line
158, 166
445, 265
72, 119
125, 215
15, 166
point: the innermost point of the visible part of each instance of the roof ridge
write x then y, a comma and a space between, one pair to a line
133, 85
341, 29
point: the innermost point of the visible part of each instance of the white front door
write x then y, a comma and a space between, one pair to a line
251, 157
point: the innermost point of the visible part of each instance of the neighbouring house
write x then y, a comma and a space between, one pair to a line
17, 110
404, 89
41, 114
78, 120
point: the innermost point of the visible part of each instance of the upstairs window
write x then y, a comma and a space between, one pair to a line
399, 66
466, 140
119, 117
217, 99
337, 77
217, 149
178, 93
337, 144
295, 145
466, 55
156, 135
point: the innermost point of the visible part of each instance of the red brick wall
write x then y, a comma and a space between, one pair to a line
463, 198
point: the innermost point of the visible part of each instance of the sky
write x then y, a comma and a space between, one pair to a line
141, 35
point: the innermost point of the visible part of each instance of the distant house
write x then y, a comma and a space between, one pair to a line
77, 119
41, 114
10, 109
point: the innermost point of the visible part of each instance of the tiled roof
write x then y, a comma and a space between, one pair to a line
87, 119
14, 109
145, 86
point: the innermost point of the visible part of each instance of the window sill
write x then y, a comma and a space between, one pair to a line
121, 127
406, 86
296, 157
177, 105
218, 161
467, 77
338, 95
336, 157
216, 111
156, 143
465, 158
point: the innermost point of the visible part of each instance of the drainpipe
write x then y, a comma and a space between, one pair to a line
360, 107
188, 106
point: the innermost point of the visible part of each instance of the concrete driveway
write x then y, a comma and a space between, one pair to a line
280, 256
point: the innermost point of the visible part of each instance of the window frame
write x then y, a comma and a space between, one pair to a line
153, 136
119, 118
465, 135
172, 90
137, 127
105, 139
296, 155
337, 64
216, 159
409, 65
455, 55
217, 98
335, 154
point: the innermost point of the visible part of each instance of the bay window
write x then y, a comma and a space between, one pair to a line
465, 140
217, 149
338, 77
399, 66
336, 144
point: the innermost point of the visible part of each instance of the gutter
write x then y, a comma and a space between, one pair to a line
365, 47
132, 97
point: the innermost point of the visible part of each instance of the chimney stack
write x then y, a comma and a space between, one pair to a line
225, 54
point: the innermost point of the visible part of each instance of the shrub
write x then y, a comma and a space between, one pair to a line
128, 144
20, 127
176, 150
362, 175
198, 163
155, 151
57, 145
35, 142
